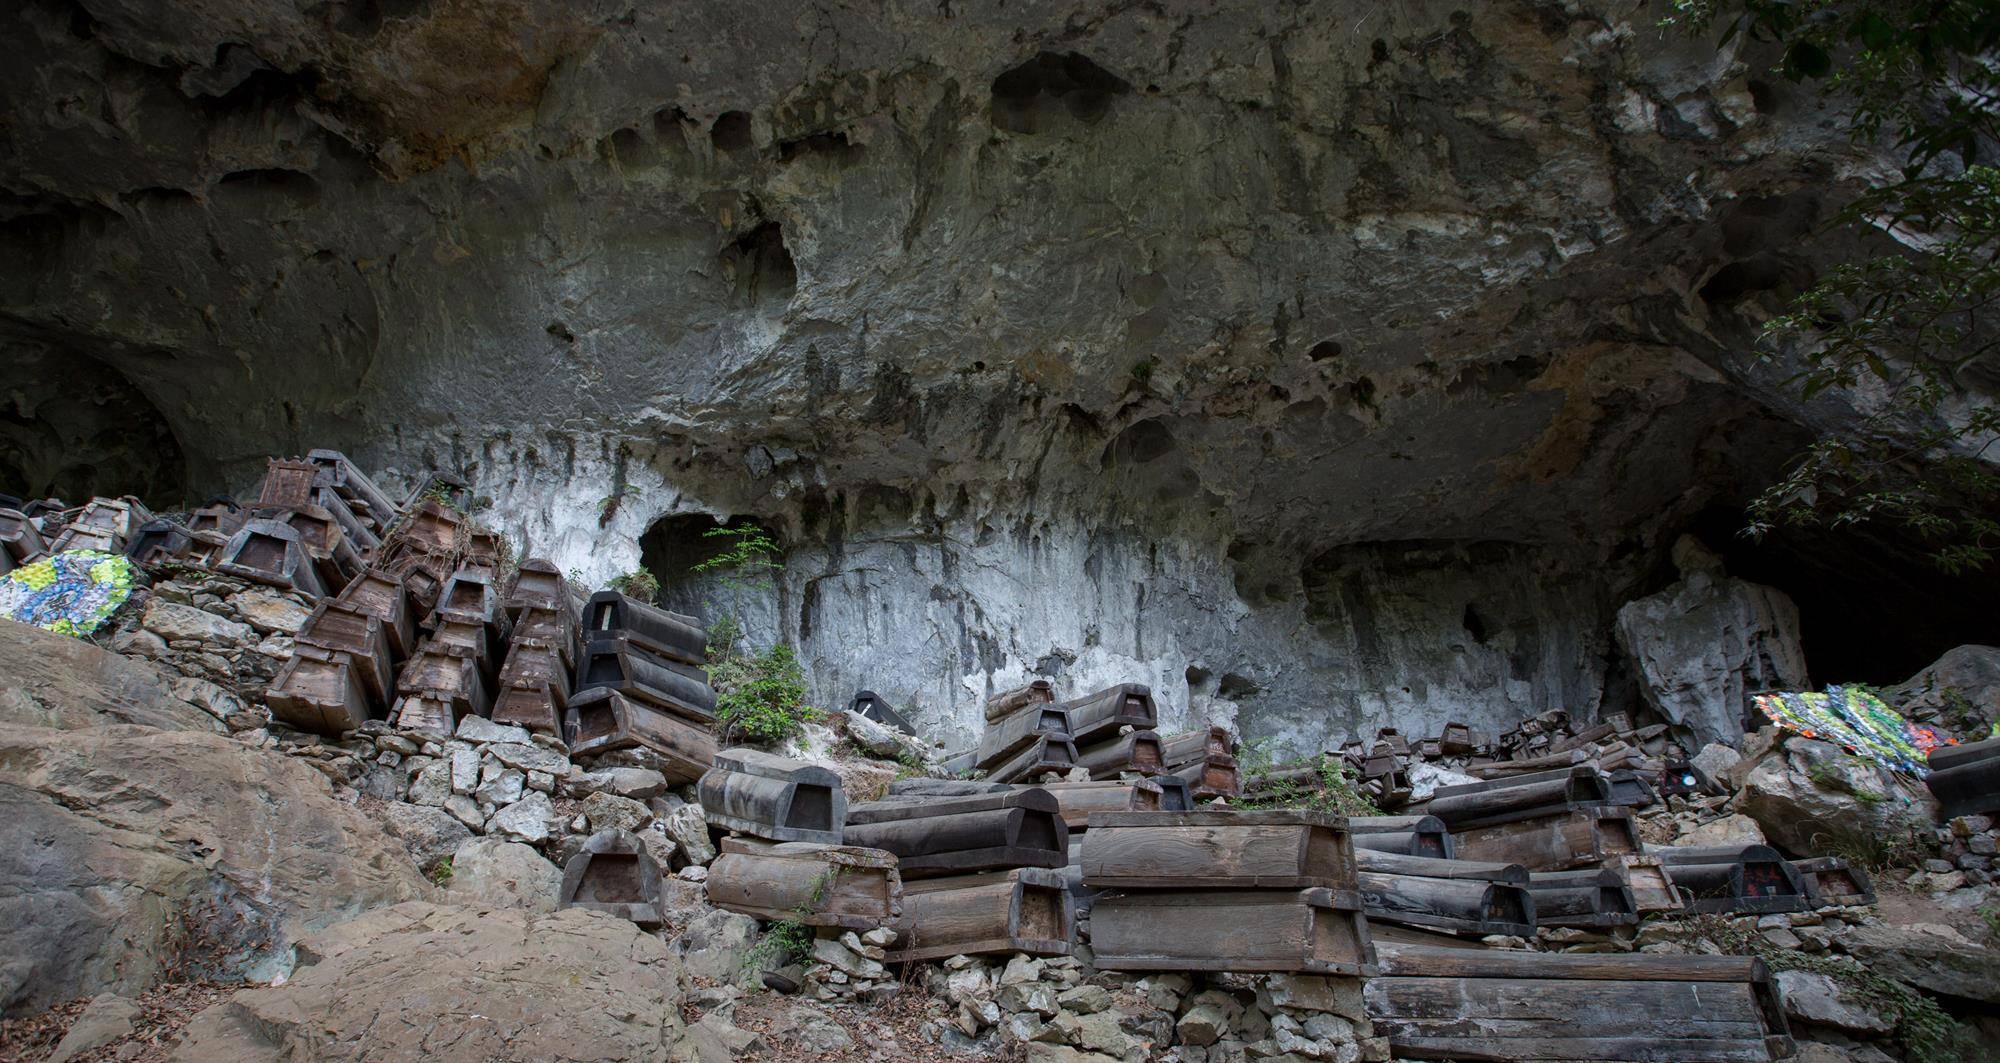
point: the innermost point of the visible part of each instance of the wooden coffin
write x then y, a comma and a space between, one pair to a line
6, 562
957, 835
221, 516
1946, 757
157, 542
533, 689
1317, 931
552, 626
1023, 910
625, 666
1527, 765
1096, 717
428, 528
1457, 740
815, 884
1432, 867
1078, 800
611, 615
1398, 744
325, 543
206, 548
334, 471
1472, 805
1408, 835
1284, 849
1193, 746
320, 691
1631, 789
873, 706
336, 625
1966, 779
537, 583
106, 524
614, 874
1461, 905
1008, 702
1745, 879
773, 797
1505, 1005
599, 721
1135, 752
472, 596
475, 640
1652, 887
1009, 735
1591, 897
1560, 841
920, 786
447, 673
361, 533
287, 484
1213, 776
20, 537
1831, 881
269, 552
381, 595
1054, 753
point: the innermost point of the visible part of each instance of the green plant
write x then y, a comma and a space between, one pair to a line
441, 874
762, 698
789, 940
1338, 791
1991, 917
1875, 850
722, 638
607, 507
748, 560
639, 584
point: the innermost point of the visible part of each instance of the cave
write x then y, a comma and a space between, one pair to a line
72, 427
671, 548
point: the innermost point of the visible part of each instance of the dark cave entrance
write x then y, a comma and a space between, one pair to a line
672, 547
73, 427
1873, 608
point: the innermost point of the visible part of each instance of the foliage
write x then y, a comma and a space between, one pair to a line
723, 635
1923, 1028
639, 584
1991, 916
441, 874
748, 559
607, 507
1911, 330
1339, 791
790, 940
762, 698
1875, 850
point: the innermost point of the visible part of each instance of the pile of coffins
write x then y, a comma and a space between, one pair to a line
639, 683
1110, 734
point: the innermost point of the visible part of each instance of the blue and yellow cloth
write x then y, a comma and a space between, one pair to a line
1860, 723
71, 593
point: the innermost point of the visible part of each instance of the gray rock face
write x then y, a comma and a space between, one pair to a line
1966, 680
1809, 795
51, 680
503, 874
430, 833
1299, 362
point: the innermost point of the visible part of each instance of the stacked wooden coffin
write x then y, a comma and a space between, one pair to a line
533, 686
451, 673
1465, 897
1113, 731
1559, 820
1205, 761
1028, 736
1966, 779
639, 682
1225, 891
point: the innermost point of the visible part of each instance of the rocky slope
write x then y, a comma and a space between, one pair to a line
1313, 363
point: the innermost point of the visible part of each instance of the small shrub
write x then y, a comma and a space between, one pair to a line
639, 584
441, 874
762, 698
790, 940
1339, 791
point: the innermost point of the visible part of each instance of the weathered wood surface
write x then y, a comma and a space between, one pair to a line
1747, 879
614, 874
537, 584
1097, 716
816, 884
157, 542
533, 687
1592, 897
381, 595
1079, 799
1969, 787
1431, 867
773, 797
1111, 757
1460, 905
1555, 842
1631, 789
221, 516
318, 690
1054, 753
1465, 811
928, 787
1408, 835
1023, 910
1009, 735
333, 470
957, 835
1946, 757
1285, 849
1316, 931
1652, 886
286, 483
1213, 776
1180, 750
1502, 768
1832, 880
611, 615
448, 674
22, 539
269, 552
335, 625
599, 721
624, 665
1574, 771
875, 707
1008, 702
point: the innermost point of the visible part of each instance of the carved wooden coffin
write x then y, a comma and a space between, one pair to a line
1214, 776
815, 884
1559, 841
206, 548
474, 639
1498, 1004
343, 628
1096, 717
1745, 879
359, 532
539, 584
873, 706
1631, 789
1458, 740
1009, 735
21, 537
221, 516
1180, 750
428, 528
1408, 835
448, 675
157, 542
1023, 910
1966, 778
1008, 702
1079, 799
1833, 881
772, 797
318, 690
1432, 867
320, 535
625, 666
599, 721
1054, 753
1112, 757
615, 874
1460, 905
287, 484
269, 552
611, 615
1394, 739
1652, 887
1590, 897
928, 787
472, 595
1283, 849
1318, 931
381, 596
553, 626
956, 835
1471, 805
336, 473
533, 689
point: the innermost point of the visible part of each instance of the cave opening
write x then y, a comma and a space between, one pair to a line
676, 544
74, 427
1027, 98
761, 266
1873, 608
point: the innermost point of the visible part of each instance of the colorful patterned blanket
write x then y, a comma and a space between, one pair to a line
1858, 722
71, 593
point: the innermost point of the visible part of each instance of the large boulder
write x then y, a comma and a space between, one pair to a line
1702, 645
1962, 686
1809, 795
420, 981
126, 850
1931, 957
51, 680
503, 874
